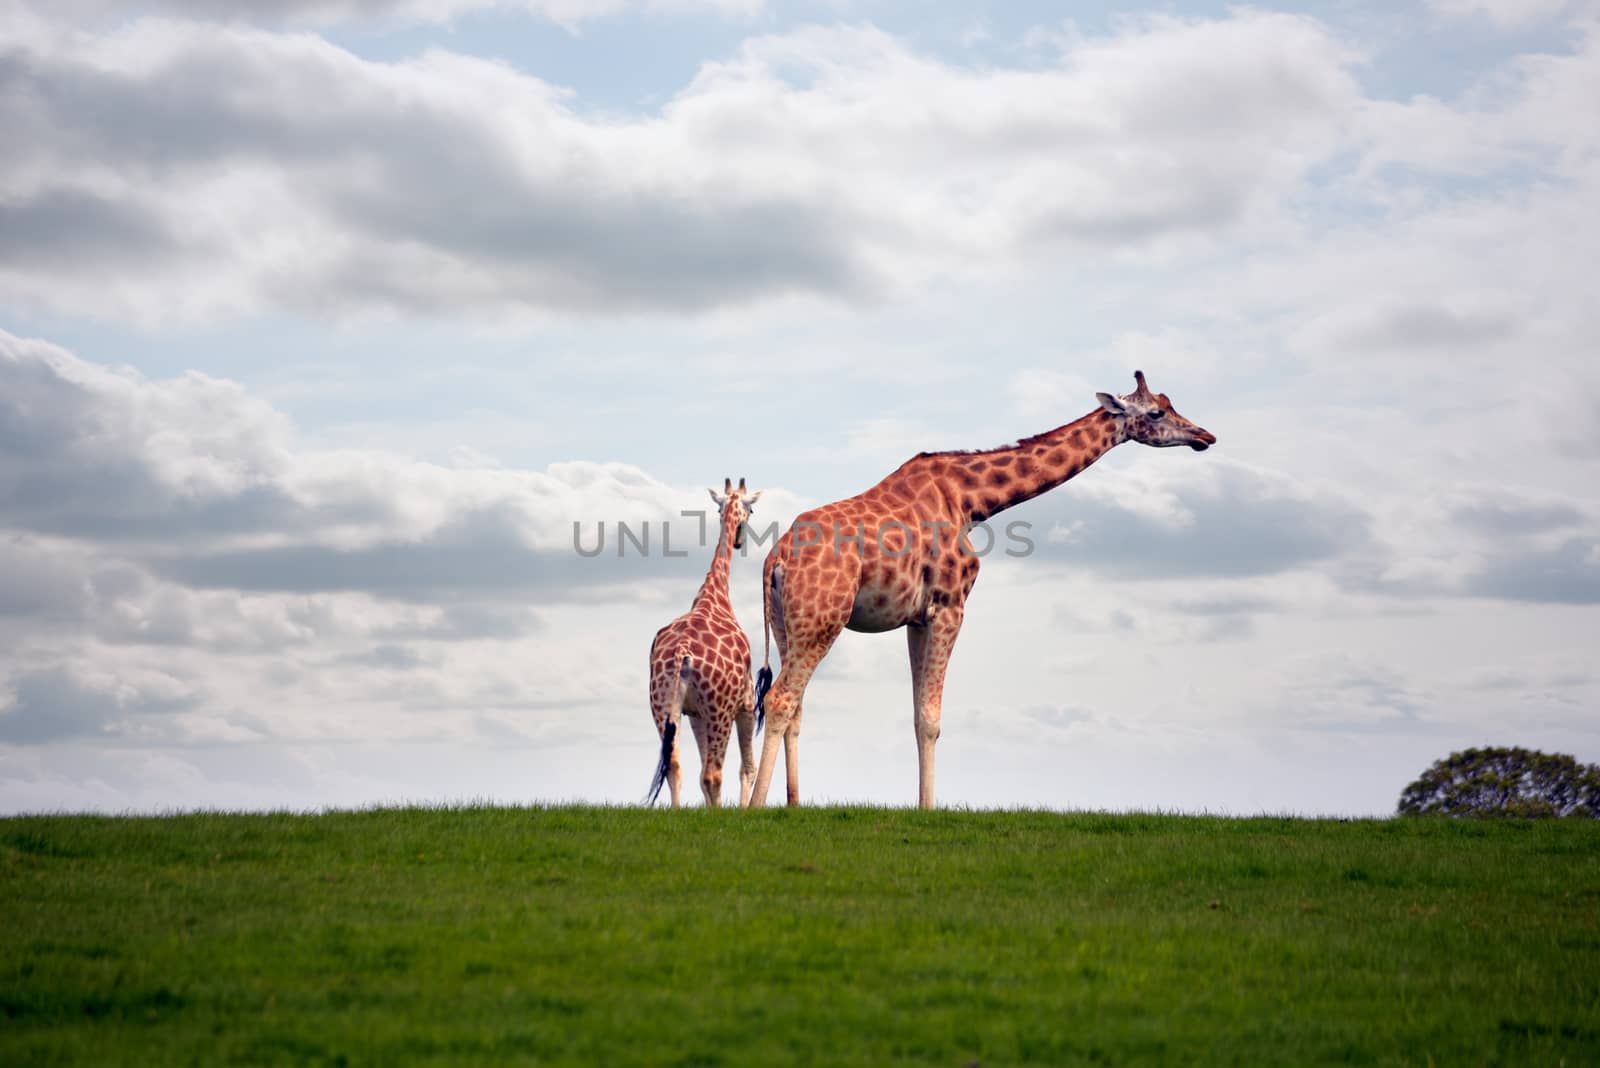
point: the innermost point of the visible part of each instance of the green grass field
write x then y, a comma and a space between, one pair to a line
816, 936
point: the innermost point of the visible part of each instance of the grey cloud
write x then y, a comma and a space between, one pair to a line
592, 252
449, 183
163, 617
398, 177
1501, 680
61, 228
167, 480
1422, 326
102, 505
38, 583
495, 729
118, 580
320, 12
1073, 717
1213, 620
1576, 426
1225, 629
388, 657
1540, 550
46, 584
1226, 605
271, 10
1242, 525
1501, 517
1203, 205
1069, 617
473, 621
1348, 698
1058, 717
52, 704
480, 554
194, 108
1566, 574
72, 462
1388, 710
1223, 618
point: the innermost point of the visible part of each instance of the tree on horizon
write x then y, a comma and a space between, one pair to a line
1505, 781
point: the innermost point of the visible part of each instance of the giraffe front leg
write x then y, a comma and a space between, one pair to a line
929, 645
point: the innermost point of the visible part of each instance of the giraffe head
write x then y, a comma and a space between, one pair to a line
1150, 419
735, 506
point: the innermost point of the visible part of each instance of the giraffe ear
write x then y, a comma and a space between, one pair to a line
749, 502
1112, 404
716, 498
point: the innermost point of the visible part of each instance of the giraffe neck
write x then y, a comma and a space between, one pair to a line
716, 583
990, 482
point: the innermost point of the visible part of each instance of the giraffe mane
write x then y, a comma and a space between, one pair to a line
1020, 443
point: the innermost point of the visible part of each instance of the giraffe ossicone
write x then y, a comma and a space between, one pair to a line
700, 669
891, 567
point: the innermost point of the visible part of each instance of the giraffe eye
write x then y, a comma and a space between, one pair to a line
1157, 414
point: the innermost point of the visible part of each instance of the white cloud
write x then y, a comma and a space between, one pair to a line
1502, 13
1531, 112
51, 703
296, 594
195, 464
242, 170
569, 13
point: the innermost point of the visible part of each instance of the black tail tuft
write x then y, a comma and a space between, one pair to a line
763, 684
660, 780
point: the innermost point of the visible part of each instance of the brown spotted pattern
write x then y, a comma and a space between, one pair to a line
897, 556
715, 691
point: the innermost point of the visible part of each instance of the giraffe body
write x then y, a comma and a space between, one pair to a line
900, 555
700, 670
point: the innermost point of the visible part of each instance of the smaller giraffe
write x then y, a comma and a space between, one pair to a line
700, 668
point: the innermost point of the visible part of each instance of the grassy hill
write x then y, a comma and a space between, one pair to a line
814, 936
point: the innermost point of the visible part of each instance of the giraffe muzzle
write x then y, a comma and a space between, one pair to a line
1202, 441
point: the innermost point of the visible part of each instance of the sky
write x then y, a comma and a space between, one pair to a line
326, 324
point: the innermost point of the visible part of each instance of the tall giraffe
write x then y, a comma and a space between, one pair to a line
700, 668
898, 555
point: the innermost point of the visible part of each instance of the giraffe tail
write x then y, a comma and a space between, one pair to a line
763, 684
669, 733
764, 676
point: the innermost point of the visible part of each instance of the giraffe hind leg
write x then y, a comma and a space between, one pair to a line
667, 768
815, 594
706, 734
667, 731
667, 707
772, 599
800, 661
745, 722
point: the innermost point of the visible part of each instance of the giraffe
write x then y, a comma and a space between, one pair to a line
898, 555
700, 668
